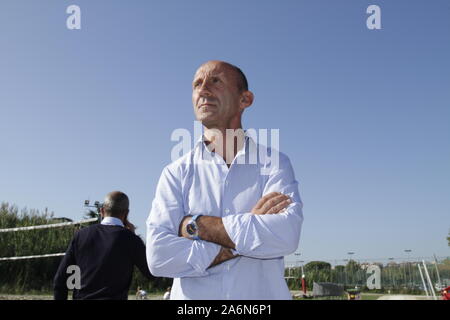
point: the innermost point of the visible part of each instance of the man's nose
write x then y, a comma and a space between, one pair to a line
204, 90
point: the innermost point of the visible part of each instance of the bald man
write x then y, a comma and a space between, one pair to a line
218, 225
105, 254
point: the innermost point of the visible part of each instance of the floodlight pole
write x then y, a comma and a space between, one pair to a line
303, 280
429, 280
350, 254
390, 273
437, 272
423, 281
408, 251
98, 205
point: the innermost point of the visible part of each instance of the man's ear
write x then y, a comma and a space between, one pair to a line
102, 212
247, 98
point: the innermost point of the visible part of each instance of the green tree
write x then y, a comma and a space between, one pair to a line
317, 266
317, 271
353, 273
339, 268
17, 276
352, 266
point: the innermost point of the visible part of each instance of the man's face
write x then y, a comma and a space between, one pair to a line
215, 94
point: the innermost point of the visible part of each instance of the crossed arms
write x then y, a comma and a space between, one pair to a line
270, 230
213, 230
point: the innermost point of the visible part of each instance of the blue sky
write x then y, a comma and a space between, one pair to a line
363, 114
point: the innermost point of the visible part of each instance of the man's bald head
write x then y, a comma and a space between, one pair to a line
220, 94
241, 79
116, 204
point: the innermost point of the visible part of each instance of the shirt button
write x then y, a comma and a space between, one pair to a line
227, 183
227, 210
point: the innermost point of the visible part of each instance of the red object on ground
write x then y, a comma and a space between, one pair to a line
446, 293
304, 285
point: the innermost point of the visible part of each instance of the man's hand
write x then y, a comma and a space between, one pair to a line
271, 203
225, 254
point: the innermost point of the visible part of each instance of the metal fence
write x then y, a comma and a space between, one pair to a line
394, 274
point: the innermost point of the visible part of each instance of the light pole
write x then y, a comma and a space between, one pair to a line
303, 281
350, 253
302, 261
345, 272
390, 273
98, 205
297, 254
408, 251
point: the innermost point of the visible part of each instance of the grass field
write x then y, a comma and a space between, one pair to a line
372, 296
159, 296
50, 297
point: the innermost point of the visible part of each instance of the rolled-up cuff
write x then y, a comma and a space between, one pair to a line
201, 256
242, 231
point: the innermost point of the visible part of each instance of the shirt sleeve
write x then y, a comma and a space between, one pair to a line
140, 259
271, 235
60, 280
169, 255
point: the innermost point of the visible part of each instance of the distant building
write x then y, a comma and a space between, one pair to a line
392, 264
365, 265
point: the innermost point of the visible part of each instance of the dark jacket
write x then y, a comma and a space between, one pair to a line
106, 256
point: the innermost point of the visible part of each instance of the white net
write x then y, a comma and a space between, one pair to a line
40, 227
32, 244
46, 226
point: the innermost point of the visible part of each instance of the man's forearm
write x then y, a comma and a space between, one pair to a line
173, 257
211, 229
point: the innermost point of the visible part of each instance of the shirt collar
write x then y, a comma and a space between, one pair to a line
247, 139
112, 221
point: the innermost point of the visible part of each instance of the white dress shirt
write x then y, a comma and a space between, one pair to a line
194, 184
112, 221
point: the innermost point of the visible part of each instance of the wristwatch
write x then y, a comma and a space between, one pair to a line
192, 227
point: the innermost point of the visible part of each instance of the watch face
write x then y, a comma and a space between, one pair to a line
190, 228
